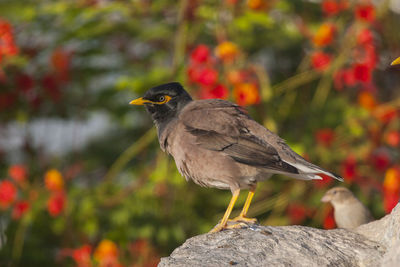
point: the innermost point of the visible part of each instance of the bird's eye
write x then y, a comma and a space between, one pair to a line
161, 98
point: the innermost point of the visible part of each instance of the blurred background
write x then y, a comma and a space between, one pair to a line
83, 180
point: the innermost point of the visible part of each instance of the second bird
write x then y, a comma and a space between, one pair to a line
216, 144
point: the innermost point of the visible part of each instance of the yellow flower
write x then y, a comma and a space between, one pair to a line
227, 51
53, 180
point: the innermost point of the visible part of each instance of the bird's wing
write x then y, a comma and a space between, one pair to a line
218, 125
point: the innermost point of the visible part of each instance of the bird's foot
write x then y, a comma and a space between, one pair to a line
229, 225
244, 219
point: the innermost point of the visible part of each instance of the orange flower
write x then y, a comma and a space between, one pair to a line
53, 180
393, 138
227, 51
391, 184
60, 60
246, 94
18, 173
257, 4
235, 76
324, 35
366, 100
105, 250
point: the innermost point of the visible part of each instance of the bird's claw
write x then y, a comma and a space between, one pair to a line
241, 218
219, 227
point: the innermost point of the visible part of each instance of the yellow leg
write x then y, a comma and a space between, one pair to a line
242, 216
228, 211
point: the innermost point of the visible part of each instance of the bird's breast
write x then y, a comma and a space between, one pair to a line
205, 167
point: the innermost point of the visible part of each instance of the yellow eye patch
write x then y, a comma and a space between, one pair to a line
166, 99
142, 101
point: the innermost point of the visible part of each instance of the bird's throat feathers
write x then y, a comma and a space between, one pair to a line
162, 115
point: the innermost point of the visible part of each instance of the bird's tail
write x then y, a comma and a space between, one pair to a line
310, 171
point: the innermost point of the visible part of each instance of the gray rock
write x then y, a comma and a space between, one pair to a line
373, 244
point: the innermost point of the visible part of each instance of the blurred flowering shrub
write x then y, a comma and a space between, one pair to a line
316, 72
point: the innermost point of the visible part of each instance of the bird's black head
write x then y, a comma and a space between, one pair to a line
164, 102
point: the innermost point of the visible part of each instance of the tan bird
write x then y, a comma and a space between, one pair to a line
349, 212
216, 144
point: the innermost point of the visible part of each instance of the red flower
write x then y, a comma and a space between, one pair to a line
297, 213
56, 203
7, 100
365, 12
343, 77
325, 137
51, 85
330, 7
200, 54
390, 200
218, 91
24, 83
329, 220
388, 115
393, 138
8, 193
381, 160
7, 45
203, 76
349, 168
208, 77
362, 73
60, 60
365, 37
193, 73
20, 208
82, 256
18, 173
140, 247
320, 60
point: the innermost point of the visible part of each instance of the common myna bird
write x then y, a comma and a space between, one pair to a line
349, 212
216, 144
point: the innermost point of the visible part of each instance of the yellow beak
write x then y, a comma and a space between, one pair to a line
396, 62
140, 101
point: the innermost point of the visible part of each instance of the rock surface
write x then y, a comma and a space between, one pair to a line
373, 244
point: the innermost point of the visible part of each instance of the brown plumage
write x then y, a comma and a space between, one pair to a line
216, 144
349, 212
